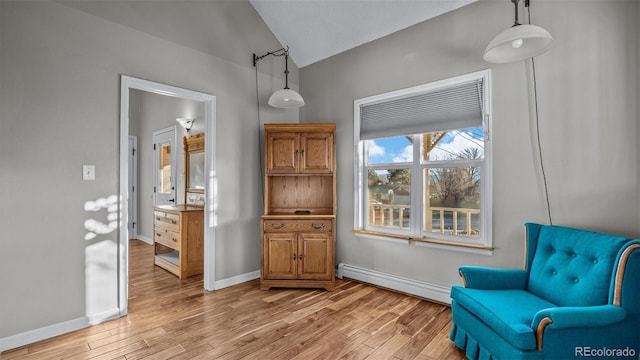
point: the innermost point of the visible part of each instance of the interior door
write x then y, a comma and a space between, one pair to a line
164, 166
132, 218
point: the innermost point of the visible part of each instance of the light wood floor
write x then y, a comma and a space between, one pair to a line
173, 319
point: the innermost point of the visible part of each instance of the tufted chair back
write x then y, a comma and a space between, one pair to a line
571, 267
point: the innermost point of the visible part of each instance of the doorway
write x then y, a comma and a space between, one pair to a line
128, 83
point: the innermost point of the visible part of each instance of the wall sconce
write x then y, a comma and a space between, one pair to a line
186, 123
519, 42
283, 98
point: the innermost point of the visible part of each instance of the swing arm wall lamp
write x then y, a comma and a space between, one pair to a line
283, 98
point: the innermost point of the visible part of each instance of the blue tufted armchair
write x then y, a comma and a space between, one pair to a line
578, 297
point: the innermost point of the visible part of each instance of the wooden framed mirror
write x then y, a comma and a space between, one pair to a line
194, 169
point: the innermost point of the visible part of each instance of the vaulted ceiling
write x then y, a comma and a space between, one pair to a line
317, 29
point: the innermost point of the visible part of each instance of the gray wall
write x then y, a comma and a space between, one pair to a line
59, 109
588, 87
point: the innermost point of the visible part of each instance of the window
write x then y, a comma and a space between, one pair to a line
422, 163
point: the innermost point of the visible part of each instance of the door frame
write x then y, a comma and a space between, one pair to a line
127, 83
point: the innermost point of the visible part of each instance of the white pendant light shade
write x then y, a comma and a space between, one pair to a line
518, 43
286, 98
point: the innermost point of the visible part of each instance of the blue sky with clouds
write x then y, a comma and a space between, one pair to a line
400, 149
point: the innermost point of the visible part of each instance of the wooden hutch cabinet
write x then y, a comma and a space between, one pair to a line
298, 225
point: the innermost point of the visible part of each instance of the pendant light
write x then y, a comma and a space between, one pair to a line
283, 98
518, 42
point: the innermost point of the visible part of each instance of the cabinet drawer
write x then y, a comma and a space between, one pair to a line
167, 220
167, 237
297, 225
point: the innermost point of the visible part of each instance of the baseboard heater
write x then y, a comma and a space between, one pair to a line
418, 288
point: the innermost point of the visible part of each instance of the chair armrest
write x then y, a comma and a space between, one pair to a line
476, 277
586, 316
575, 317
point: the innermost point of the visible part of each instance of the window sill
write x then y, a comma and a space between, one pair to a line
426, 242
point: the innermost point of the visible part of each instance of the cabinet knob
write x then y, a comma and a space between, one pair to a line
277, 226
294, 256
174, 239
300, 257
158, 234
318, 226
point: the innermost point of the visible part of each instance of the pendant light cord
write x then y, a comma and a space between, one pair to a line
280, 52
259, 142
537, 124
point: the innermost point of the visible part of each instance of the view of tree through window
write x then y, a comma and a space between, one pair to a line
449, 182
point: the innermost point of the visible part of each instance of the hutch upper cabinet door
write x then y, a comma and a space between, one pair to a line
316, 153
282, 153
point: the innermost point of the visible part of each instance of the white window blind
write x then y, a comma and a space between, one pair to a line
455, 107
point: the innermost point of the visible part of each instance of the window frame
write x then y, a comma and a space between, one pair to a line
416, 232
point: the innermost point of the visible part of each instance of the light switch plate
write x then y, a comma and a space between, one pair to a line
88, 172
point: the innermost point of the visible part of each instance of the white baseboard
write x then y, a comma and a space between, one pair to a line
145, 239
235, 280
46, 332
98, 318
409, 286
31, 336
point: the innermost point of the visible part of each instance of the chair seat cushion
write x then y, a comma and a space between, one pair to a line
508, 312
